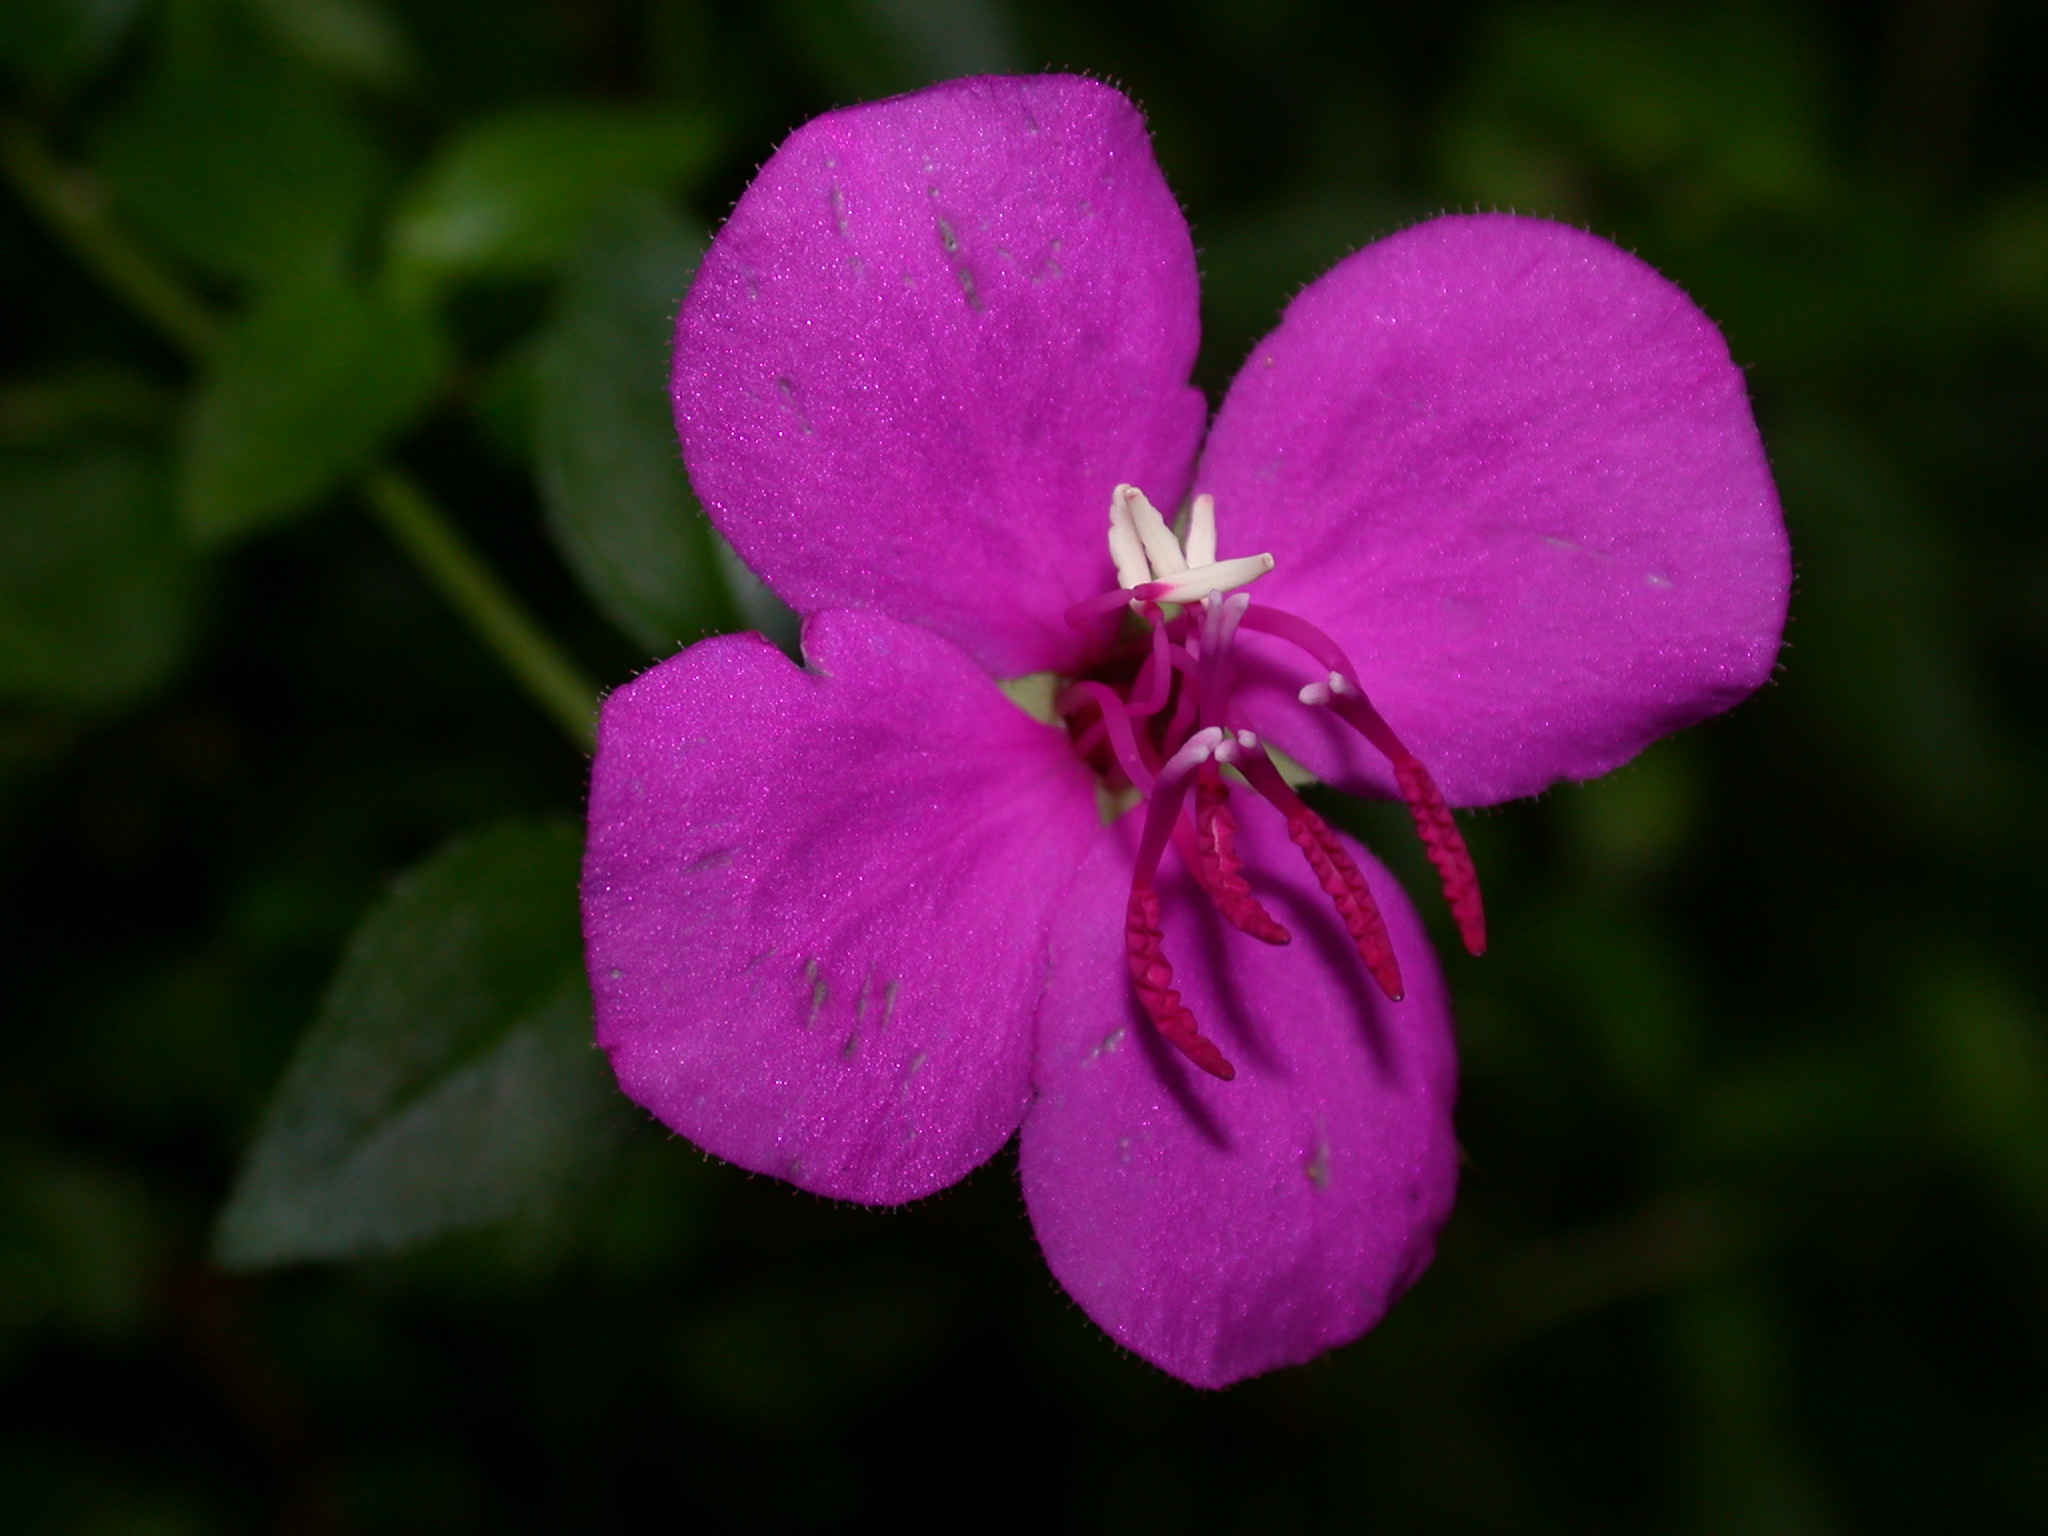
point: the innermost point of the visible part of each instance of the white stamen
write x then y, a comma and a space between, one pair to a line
1125, 548
1218, 577
1339, 683
1146, 553
1201, 539
1197, 750
1315, 695
1161, 547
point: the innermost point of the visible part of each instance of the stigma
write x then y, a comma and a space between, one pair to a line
1160, 720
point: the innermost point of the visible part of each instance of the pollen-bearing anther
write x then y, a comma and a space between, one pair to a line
1165, 722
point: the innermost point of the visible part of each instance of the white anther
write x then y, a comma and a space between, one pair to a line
1197, 750
1162, 549
1147, 554
1315, 695
1339, 683
1201, 539
1125, 548
1220, 576
1247, 740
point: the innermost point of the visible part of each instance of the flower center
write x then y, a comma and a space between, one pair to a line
1157, 718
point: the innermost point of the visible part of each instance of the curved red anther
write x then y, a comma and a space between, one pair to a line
1144, 945
1427, 808
1334, 870
1218, 866
1446, 849
1145, 952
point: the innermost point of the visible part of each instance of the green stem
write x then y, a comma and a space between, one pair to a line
73, 205
473, 590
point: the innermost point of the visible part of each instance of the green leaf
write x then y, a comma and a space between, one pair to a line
612, 483
98, 596
514, 194
306, 388
352, 40
59, 43
236, 160
449, 1080
869, 48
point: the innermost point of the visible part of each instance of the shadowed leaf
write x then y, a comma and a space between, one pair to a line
611, 479
311, 384
514, 194
97, 595
237, 161
449, 1080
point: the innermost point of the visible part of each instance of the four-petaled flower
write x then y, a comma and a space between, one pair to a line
1490, 500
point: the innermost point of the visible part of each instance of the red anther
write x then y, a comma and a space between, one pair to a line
1217, 863
1346, 887
1446, 849
1145, 952
1334, 871
1432, 817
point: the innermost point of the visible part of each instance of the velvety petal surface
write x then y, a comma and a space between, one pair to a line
815, 902
1223, 1229
933, 337
1514, 473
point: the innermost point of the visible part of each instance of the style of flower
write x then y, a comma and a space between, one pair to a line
1488, 510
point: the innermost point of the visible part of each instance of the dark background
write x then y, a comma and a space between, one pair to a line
1754, 1232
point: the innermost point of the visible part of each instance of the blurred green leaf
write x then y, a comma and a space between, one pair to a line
514, 194
79, 399
783, 1355
1633, 824
1627, 988
58, 43
235, 159
501, 401
316, 379
1706, 111
617, 501
352, 40
1880, 650
1991, 1072
869, 48
1745, 1475
98, 596
449, 1080
78, 1245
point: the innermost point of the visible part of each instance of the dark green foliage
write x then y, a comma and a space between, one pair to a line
449, 1080
312, 383
97, 596
514, 193
238, 160
1754, 1228
57, 43
611, 477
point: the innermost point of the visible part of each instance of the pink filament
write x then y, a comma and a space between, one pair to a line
1122, 740
1426, 805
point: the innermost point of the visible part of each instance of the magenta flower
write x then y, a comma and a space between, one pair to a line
1489, 500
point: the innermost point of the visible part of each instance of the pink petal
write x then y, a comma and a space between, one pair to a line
1223, 1229
1512, 471
815, 902
934, 336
